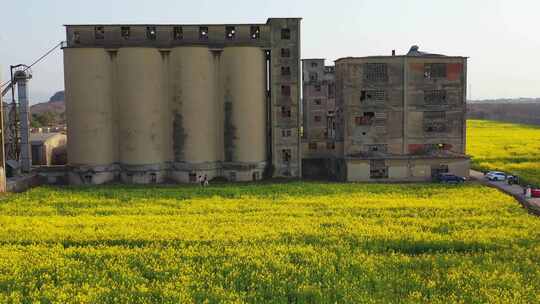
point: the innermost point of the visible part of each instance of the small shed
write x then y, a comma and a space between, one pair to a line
48, 149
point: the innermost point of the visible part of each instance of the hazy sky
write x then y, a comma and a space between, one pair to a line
501, 37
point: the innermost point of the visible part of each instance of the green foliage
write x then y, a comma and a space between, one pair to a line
268, 243
513, 148
43, 120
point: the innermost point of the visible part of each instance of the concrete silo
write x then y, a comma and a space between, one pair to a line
89, 109
141, 109
195, 112
243, 77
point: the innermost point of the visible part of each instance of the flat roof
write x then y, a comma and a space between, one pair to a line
176, 24
402, 56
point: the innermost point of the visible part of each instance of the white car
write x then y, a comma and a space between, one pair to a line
496, 176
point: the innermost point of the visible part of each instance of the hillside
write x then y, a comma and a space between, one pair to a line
50, 113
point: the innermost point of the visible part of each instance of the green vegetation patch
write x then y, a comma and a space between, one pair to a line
513, 148
268, 243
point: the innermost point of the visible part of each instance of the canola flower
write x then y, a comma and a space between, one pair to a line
297, 242
513, 148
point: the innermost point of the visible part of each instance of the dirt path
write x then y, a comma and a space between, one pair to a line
532, 204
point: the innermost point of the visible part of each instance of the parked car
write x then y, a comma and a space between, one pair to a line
512, 180
450, 178
535, 192
496, 176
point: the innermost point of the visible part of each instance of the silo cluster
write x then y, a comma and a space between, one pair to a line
144, 115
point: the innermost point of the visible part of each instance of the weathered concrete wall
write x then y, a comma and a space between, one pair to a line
357, 171
401, 170
319, 110
451, 103
141, 106
89, 107
372, 108
285, 52
195, 106
244, 92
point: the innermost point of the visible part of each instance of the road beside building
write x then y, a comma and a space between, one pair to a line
532, 204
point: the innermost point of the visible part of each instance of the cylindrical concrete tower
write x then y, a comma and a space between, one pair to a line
142, 106
243, 77
194, 105
89, 109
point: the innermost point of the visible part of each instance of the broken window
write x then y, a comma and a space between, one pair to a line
435, 122
230, 32
285, 112
435, 97
99, 32
313, 64
285, 71
331, 90
435, 115
313, 146
285, 90
76, 37
372, 96
313, 76
125, 31
381, 148
378, 169
151, 32
317, 88
317, 102
203, 32
436, 170
285, 34
434, 70
285, 53
286, 133
375, 72
366, 119
255, 32
317, 118
330, 146
286, 155
178, 33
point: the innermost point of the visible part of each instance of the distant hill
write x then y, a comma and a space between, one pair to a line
58, 96
51, 113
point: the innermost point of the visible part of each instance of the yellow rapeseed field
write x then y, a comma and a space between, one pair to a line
268, 243
512, 148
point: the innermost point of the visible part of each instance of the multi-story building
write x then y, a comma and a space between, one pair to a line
401, 117
319, 144
146, 103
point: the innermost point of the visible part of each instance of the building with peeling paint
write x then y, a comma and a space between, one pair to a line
149, 103
320, 145
401, 118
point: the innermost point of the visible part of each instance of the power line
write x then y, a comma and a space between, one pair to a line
36, 61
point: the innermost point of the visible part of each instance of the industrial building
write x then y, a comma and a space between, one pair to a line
401, 117
148, 103
320, 146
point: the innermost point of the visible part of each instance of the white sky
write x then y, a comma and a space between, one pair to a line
501, 37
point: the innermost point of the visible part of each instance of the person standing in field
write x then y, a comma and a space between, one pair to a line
201, 180
206, 182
